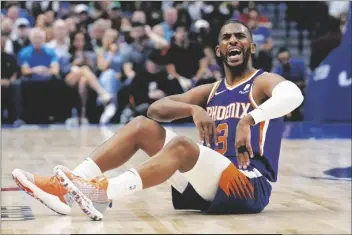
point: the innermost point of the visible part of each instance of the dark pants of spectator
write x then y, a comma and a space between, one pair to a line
7, 105
264, 61
45, 101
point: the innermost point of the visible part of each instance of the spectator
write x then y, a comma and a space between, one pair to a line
22, 35
214, 70
9, 71
98, 9
82, 11
109, 61
114, 12
37, 61
13, 12
41, 22
170, 18
78, 72
144, 43
195, 10
158, 54
294, 70
126, 24
98, 29
253, 13
61, 43
6, 27
71, 25
185, 60
50, 17
148, 86
139, 16
262, 39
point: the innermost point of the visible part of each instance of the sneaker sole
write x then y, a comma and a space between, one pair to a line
83, 201
38, 194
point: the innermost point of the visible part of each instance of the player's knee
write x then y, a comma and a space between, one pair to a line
185, 148
141, 123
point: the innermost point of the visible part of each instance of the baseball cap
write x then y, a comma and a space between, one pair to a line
80, 8
22, 22
114, 5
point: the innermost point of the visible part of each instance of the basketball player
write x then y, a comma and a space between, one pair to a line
239, 120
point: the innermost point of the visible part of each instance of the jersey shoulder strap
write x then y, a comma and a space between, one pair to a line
215, 87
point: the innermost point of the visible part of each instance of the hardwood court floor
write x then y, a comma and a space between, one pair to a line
300, 202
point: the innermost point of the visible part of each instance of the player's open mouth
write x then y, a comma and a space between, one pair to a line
234, 54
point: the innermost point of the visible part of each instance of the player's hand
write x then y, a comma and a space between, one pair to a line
205, 125
243, 139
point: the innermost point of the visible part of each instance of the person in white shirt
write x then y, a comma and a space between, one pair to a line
61, 41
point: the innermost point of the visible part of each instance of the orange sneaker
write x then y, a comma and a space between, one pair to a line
91, 195
47, 190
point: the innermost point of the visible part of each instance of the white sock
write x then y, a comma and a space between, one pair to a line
88, 169
124, 184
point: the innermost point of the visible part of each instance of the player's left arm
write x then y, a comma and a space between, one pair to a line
276, 97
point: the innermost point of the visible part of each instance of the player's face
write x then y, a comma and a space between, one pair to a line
235, 45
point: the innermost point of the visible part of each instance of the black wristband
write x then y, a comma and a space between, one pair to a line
242, 149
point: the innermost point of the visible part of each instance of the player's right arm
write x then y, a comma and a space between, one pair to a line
188, 104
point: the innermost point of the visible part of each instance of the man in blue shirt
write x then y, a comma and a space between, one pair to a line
37, 61
294, 70
170, 18
42, 95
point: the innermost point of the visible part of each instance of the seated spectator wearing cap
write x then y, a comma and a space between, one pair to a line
21, 35
9, 70
82, 13
114, 13
185, 60
61, 42
294, 70
77, 71
37, 61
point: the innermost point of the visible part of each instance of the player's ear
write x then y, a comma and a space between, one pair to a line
253, 48
217, 51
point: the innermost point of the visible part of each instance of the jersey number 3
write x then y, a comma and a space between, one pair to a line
222, 138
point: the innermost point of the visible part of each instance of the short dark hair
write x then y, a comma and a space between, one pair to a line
179, 24
282, 49
232, 21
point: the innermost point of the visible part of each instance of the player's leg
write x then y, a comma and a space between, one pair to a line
180, 154
140, 133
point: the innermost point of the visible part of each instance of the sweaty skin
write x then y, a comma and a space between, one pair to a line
193, 102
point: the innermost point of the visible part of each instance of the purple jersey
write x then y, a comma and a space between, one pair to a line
226, 106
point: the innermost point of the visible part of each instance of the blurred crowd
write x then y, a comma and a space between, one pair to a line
107, 61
